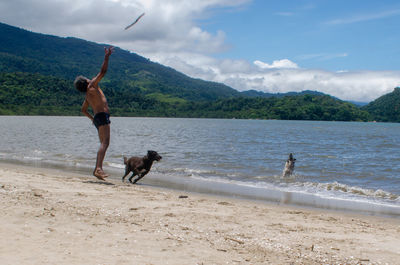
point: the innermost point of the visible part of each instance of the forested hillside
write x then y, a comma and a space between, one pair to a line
35, 94
65, 58
385, 108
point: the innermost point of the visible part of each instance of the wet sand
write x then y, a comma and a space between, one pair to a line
54, 217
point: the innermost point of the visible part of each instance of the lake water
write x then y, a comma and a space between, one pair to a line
340, 165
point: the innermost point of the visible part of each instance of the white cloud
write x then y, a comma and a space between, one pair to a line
284, 63
168, 25
169, 34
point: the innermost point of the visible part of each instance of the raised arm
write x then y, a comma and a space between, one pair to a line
107, 52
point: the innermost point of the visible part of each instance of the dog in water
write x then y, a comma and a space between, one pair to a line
289, 166
140, 166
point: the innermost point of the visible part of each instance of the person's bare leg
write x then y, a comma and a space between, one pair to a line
104, 137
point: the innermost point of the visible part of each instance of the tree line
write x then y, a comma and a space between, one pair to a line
36, 94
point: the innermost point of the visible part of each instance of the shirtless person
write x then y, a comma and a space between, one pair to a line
97, 101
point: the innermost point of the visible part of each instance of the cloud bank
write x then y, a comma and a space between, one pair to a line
170, 33
285, 76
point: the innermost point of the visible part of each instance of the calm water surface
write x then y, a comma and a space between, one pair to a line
348, 166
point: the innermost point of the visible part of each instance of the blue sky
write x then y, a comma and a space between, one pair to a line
332, 35
347, 49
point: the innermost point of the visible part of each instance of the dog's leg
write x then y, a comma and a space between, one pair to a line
140, 176
132, 176
127, 170
137, 179
134, 173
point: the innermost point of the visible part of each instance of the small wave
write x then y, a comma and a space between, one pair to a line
3, 154
278, 178
33, 158
239, 183
198, 171
291, 184
326, 156
338, 187
190, 171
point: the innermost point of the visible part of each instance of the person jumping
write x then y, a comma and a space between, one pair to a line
97, 101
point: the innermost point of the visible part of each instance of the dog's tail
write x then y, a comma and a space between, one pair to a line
125, 160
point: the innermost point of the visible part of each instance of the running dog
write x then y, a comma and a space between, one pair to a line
140, 166
289, 166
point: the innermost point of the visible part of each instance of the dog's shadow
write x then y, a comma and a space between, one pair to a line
99, 182
126, 183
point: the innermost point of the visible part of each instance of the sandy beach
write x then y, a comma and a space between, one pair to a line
55, 217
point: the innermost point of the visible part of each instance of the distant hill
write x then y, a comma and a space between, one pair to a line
300, 107
254, 93
386, 108
358, 103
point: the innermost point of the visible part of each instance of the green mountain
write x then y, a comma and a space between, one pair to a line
24, 51
37, 73
386, 108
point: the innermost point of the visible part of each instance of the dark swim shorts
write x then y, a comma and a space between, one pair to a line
101, 118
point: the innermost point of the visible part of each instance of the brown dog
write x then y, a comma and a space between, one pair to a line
140, 166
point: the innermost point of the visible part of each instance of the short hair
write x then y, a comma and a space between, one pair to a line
81, 83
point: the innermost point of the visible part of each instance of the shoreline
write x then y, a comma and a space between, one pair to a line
55, 217
270, 195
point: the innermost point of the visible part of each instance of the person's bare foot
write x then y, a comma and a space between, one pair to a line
99, 173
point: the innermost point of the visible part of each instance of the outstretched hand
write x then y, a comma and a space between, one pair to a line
108, 51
